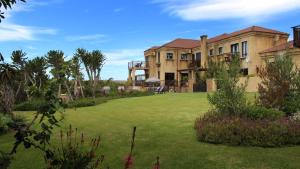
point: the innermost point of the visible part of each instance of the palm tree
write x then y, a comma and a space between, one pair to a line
19, 60
77, 75
7, 73
59, 69
37, 73
97, 62
93, 63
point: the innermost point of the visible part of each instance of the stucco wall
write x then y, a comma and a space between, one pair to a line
251, 87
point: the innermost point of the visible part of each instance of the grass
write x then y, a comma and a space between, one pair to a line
165, 128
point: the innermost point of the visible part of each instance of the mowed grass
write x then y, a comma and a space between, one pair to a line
164, 128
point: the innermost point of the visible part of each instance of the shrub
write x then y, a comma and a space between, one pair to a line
4, 123
230, 97
280, 87
4, 160
234, 130
259, 112
30, 105
85, 102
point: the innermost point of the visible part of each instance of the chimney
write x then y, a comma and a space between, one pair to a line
203, 48
203, 38
296, 30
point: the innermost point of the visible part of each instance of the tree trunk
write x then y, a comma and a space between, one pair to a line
59, 90
8, 99
75, 89
68, 90
82, 94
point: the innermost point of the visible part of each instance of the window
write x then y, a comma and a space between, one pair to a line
198, 59
169, 56
184, 56
244, 71
234, 48
244, 49
158, 74
211, 52
220, 50
158, 57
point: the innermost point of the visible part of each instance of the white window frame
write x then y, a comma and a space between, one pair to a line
169, 56
244, 49
184, 56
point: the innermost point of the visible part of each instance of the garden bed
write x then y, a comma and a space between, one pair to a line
234, 130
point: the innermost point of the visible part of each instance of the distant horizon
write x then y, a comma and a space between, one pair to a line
122, 30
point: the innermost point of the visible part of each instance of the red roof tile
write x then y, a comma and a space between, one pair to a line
152, 48
183, 43
246, 30
288, 45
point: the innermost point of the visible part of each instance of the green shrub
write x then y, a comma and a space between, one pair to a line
230, 97
30, 105
85, 102
234, 130
259, 112
4, 123
280, 86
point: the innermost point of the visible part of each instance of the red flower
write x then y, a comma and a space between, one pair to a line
128, 161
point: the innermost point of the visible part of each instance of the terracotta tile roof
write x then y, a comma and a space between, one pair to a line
152, 48
246, 30
183, 43
217, 38
288, 45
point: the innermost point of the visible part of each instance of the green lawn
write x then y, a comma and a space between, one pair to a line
165, 128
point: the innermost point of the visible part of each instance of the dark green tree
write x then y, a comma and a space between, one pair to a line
59, 70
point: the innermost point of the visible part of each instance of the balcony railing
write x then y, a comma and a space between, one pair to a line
138, 64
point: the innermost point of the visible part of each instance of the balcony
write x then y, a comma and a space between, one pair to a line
138, 65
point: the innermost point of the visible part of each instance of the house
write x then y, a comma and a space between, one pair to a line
177, 63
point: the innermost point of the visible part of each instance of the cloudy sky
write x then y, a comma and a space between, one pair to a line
123, 29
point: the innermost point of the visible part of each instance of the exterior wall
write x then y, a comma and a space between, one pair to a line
259, 43
252, 84
294, 53
256, 42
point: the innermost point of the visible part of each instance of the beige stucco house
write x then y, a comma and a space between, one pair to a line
176, 63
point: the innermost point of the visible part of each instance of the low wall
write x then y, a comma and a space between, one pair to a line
251, 87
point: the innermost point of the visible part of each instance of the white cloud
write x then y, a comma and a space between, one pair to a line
94, 37
15, 32
123, 56
223, 9
27, 7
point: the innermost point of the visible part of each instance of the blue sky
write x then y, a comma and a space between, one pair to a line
123, 29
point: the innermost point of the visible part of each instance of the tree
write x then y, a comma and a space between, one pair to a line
19, 60
7, 4
77, 76
7, 73
279, 88
93, 63
59, 69
230, 97
37, 68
